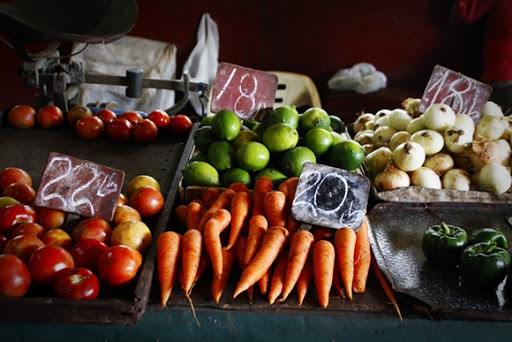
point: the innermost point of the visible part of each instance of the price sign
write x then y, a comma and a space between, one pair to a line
247, 92
463, 94
330, 197
79, 187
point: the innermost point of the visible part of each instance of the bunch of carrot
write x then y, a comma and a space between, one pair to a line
256, 230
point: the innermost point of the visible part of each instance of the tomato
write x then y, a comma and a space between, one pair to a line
125, 213
131, 116
135, 234
3, 242
51, 218
15, 214
180, 124
78, 283
46, 261
22, 116
92, 228
86, 253
11, 175
49, 117
57, 237
29, 228
14, 276
160, 118
106, 115
76, 113
122, 200
118, 265
89, 127
145, 131
120, 129
22, 192
147, 200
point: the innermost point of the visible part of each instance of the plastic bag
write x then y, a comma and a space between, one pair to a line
362, 78
201, 65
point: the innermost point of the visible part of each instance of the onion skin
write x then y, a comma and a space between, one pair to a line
494, 178
391, 178
456, 179
425, 178
440, 163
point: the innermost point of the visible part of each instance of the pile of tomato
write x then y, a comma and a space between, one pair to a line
130, 125
41, 249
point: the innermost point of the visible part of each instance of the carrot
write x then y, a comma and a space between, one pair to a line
167, 256
264, 281
204, 265
274, 203
305, 279
240, 206
215, 225
322, 233
181, 214
194, 213
222, 202
362, 258
300, 247
345, 242
384, 284
218, 284
278, 277
210, 195
239, 249
191, 250
287, 185
323, 269
336, 280
272, 244
262, 185
258, 225
291, 185
238, 187
198, 200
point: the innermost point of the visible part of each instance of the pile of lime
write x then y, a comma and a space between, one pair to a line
229, 150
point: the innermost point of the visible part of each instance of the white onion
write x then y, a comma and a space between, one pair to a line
494, 178
391, 178
382, 136
399, 118
368, 148
492, 109
360, 122
382, 121
409, 156
504, 148
456, 179
456, 138
425, 178
398, 138
369, 125
381, 113
377, 160
412, 106
463, 161
490, 128
364, 137
415, 125
465, 122
484, 152
438, 117
431, 141
440, 163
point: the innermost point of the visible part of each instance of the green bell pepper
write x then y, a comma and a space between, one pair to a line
484, 264
443, 244
488, 235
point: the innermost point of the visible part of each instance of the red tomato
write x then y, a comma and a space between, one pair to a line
120, 129
15, 214
86, 253
29, 228
51, 218
14, 276
92, 228
118, 265
78, 283
76, 113
11, 175
3, 242
89, 127
57, 237
180, 124
49, 117
46, 261
106, 115
22, 192
22, 246
160, 118
147, 200
145, 131
131, 116
22, 116
122, 200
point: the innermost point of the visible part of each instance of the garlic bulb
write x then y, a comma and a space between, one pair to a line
382, 136
494, 178
409, 156
456, 138
377, 160
431, 141
364, 137
425, 178
466, 123
490, 128
381, 113
492, 109
456, 179
399, 118
360, 122
415, 125
412, 106
440, 163
438, 117
391, 178
484, 152
398, 138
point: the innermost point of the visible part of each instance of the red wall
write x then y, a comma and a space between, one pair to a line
402, 38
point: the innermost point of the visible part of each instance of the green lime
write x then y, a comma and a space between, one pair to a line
252, 156
200, 173
318, 140
235, 175
314, 117
336, 137
221, 155
283, 114
207, 120
225, 125
280, 137
336, 124
249, 123
199, 156
277, 176
347, 154
295, 158
203, 138
243, 137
